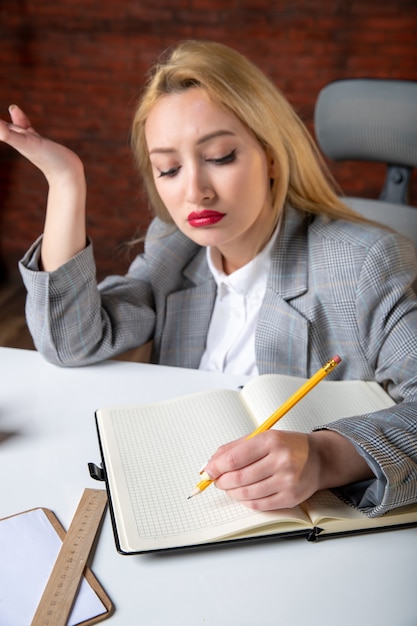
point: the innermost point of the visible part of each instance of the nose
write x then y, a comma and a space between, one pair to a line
198, 187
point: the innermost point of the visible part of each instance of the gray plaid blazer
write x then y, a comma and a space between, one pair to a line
334, 288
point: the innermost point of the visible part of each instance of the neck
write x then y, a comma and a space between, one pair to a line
230, 265
230, 261
235, 253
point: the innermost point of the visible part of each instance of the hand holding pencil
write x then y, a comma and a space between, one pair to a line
206, 481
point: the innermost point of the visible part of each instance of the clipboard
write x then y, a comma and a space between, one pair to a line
107, 607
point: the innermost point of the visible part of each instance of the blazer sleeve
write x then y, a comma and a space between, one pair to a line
74, 321
386, 314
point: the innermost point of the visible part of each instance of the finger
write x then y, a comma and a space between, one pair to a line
252, 474
236, 455
19, 118
251, 482
268, 495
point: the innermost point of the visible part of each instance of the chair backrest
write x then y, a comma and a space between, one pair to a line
374, 120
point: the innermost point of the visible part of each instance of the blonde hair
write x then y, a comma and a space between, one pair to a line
234, 82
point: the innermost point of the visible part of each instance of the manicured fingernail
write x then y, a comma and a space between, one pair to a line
205, 476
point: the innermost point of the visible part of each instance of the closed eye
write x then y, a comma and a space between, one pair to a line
171, 172
228, 158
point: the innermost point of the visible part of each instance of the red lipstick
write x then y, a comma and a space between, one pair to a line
198, 219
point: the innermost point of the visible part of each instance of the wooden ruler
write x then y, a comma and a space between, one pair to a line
58, 597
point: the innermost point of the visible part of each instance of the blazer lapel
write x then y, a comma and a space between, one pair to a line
188, 314
282, 331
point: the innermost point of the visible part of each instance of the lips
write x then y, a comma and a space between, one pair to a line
204, 218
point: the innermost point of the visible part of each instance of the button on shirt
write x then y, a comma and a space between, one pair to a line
230, 345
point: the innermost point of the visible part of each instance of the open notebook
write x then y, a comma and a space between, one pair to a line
152, 453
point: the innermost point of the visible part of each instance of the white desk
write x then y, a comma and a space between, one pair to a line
47, 437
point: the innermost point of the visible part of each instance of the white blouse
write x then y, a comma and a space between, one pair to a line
230, 344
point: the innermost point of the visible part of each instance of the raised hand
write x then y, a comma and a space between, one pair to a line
64, 232
54, 160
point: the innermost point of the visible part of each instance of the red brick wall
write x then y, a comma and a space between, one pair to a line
76, 67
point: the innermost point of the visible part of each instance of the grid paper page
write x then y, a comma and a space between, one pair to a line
159, 484
328, 401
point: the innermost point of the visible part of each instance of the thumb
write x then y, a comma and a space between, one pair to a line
19, 118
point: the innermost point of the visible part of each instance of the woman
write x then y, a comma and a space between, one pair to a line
252, 265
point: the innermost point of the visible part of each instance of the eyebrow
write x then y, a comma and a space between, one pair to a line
203, 139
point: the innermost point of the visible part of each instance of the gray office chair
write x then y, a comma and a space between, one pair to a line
374, 120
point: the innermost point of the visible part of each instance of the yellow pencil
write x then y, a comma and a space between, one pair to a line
283, 409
